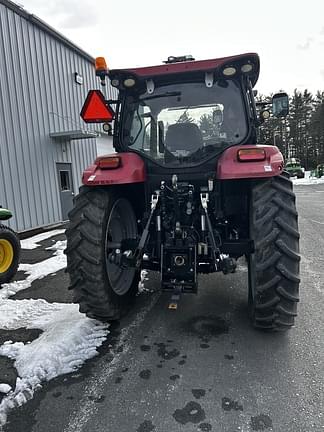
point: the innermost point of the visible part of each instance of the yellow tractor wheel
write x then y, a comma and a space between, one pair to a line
9, 254
6, 255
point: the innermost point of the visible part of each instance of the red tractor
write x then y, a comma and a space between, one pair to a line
189, 190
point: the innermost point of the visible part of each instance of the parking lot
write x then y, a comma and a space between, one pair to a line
200, 368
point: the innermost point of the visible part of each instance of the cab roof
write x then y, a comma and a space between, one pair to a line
192, 66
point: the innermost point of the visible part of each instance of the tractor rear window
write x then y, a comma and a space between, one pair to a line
184, 123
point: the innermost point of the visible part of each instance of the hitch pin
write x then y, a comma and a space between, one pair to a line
204, 198
154, 200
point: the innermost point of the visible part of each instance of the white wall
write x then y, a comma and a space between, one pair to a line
105, 145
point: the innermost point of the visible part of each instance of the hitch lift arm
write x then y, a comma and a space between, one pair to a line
226, 264
138, 254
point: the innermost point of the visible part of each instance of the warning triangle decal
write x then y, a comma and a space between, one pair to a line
95, 109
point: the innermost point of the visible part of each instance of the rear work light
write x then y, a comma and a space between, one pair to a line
111, 162
251, 155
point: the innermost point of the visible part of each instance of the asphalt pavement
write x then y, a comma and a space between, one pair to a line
200, 368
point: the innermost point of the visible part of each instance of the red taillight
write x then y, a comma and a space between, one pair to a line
95, 108
251, 155
109, 162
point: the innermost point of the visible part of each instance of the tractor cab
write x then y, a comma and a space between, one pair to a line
185, 111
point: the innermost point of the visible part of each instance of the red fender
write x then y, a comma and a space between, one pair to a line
131, 169
230, 167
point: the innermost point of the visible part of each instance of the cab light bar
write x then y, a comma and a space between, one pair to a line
251, 155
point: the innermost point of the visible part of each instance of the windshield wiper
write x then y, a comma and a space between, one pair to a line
167, 94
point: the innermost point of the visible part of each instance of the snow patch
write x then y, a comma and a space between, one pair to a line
32, 242
97, 383
241, 268
58, 247
5, 388
141, 285
67, 341
307, 181
37, 271
69, 338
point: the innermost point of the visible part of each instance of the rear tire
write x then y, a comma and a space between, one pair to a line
103, 290
274, 266
9, 254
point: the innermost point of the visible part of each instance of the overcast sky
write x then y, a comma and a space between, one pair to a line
288, 35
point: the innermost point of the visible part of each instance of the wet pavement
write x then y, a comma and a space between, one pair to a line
200, 368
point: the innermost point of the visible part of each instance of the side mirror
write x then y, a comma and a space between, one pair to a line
217, 116
280, 105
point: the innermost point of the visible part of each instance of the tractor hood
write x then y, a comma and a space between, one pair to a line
5, 214
225, 67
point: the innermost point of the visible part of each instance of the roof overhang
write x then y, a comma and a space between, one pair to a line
73, 135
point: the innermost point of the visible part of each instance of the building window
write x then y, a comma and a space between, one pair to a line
65, 181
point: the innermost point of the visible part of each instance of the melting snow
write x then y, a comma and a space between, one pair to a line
37, 271
141, 285
5, 388
68, 339
32, 242
308, 180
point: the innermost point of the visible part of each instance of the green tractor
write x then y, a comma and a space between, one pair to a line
294, 168
319, 171
9, 249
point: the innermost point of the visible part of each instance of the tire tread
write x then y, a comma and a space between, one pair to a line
274, 268
85, 264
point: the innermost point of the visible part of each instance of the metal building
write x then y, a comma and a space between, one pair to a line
44, 144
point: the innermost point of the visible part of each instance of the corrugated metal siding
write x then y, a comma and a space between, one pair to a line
38, 96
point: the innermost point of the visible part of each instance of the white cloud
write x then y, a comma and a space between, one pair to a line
72, 14
134, 34
306, 45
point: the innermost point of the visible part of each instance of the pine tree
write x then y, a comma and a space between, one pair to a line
300, 127
184, 118
317, 129
206, 124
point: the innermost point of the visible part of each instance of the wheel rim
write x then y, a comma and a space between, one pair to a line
6, 255
121, 225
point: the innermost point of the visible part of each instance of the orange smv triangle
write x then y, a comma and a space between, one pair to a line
95, 109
